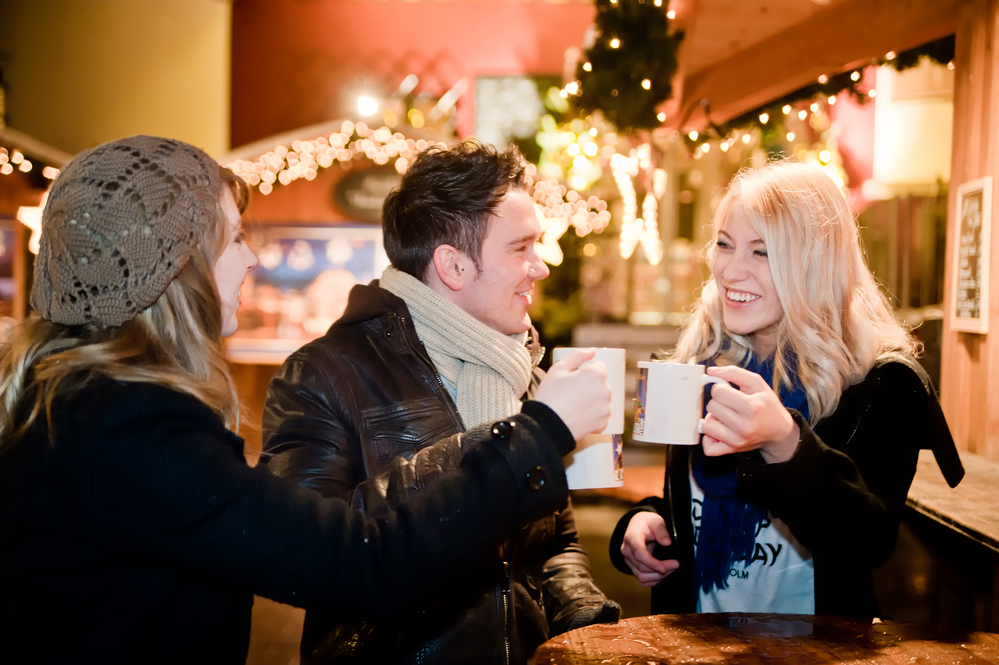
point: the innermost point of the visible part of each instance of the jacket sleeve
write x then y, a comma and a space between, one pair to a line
157, 483
308, 437
571, 597
844, 497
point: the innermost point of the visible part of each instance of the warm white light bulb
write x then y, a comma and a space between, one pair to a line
367, 106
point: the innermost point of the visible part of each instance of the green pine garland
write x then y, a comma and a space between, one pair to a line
940, 51
646, 51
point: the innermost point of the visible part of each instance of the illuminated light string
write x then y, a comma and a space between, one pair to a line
13, 159
637, 230
559, 207
824, 92
305, 158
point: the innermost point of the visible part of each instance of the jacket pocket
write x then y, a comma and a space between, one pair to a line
402, 429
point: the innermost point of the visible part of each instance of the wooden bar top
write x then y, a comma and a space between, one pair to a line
971, 508
764, 639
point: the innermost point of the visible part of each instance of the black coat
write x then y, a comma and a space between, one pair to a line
134, 531
360, 403
841, 494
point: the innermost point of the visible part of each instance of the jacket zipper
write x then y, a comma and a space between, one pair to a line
506, 612
505, 593
433, 370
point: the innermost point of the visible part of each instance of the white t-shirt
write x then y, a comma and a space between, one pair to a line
780, 578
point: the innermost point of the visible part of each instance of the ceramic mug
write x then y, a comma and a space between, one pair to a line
669, 402
598, 459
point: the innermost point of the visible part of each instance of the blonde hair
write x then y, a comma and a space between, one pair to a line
836, 321
176, 342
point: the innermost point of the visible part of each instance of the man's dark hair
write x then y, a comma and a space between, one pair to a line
446, 198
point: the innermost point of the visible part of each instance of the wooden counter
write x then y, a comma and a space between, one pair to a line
764, 639
971, 508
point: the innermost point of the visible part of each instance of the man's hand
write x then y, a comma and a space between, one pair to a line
579, 395
643, 532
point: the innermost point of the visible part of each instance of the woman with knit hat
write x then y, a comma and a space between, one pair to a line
131, 529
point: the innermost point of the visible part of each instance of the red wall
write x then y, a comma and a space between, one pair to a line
856, 142
295, 62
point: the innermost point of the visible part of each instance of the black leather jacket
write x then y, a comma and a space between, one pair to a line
357, 404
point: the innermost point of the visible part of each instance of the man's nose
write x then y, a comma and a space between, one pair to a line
539, 269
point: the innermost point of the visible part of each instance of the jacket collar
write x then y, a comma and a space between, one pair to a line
369, 301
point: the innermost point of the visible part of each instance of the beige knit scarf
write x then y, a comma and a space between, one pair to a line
491, 370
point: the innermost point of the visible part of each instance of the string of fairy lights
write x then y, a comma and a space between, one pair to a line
559, 208
305, 158
13, 159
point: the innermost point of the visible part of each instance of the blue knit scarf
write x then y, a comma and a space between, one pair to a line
729, 524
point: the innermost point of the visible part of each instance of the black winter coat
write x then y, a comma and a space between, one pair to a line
134, 531
841, 494
359, 403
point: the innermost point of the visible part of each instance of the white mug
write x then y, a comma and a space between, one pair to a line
669, 402
614, 359
598, 460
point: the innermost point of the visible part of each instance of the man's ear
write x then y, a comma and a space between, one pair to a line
451, 266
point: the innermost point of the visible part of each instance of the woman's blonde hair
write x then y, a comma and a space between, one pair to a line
176, 342
836, 321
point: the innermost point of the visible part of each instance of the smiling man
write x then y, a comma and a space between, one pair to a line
441, 343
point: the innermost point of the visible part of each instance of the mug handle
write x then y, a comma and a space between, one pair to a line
705, 380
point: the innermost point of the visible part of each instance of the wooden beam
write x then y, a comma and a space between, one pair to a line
848, 34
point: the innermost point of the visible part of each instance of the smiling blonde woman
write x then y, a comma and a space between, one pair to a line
795, 493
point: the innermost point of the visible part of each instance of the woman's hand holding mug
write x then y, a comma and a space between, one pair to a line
750, 418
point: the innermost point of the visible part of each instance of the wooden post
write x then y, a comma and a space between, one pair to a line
969, 382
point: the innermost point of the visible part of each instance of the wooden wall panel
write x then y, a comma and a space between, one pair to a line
969, 383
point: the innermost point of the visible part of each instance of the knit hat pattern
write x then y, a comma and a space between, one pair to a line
120, 222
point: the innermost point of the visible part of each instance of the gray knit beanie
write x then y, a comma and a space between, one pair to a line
120, 222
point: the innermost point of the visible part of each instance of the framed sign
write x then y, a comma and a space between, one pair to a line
970, 311
300, 286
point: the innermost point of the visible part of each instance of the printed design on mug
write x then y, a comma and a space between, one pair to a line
641, 390
618, 445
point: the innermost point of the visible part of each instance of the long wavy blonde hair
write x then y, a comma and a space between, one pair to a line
175, 342
837, 323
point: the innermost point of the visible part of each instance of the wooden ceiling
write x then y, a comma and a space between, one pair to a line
741, 54
719, 29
